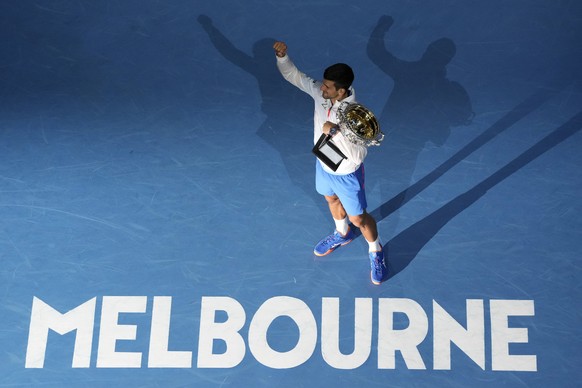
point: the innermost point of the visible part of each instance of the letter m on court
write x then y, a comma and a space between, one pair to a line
44, 317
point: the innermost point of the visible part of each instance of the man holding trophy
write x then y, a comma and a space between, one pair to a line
343, 129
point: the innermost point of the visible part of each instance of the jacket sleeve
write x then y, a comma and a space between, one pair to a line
355, 153
290, 72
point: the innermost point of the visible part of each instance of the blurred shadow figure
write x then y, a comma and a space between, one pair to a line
422, 107
282, 104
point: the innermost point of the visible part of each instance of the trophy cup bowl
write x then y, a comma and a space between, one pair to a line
359, 125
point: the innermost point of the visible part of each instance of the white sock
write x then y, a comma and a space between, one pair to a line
342, 226
375, 246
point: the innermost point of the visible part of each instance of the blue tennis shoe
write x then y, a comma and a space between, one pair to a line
378, 267
333, 241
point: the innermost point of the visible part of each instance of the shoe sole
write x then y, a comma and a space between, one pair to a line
373, 281
332, 249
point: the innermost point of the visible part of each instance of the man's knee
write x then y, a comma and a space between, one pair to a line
332, 199
358, 220
363, 219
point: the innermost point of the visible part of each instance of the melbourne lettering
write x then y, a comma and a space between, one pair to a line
225, 320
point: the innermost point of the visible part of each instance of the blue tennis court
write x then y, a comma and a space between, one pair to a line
158, 210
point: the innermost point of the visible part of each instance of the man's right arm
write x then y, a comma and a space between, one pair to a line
291, 73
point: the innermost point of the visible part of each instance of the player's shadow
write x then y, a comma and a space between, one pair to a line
287, 126
422, 107
404, 247
530, 104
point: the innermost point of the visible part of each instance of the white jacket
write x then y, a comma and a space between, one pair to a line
324, 111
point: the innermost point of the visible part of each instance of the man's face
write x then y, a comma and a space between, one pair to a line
329, 91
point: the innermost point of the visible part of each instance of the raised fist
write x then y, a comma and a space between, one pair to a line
280, 49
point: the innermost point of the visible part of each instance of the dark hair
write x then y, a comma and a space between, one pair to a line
341, 75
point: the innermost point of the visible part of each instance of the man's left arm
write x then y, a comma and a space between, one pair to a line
355, 153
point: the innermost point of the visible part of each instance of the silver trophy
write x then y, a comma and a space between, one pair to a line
359, 125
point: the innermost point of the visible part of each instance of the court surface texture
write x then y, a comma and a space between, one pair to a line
158, 211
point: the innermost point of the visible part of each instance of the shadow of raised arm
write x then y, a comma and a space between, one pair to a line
225, 46
376, 48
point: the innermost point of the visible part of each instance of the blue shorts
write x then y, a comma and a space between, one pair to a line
349, 188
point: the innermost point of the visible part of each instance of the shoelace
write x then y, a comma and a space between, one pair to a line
332, 237
378, 264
